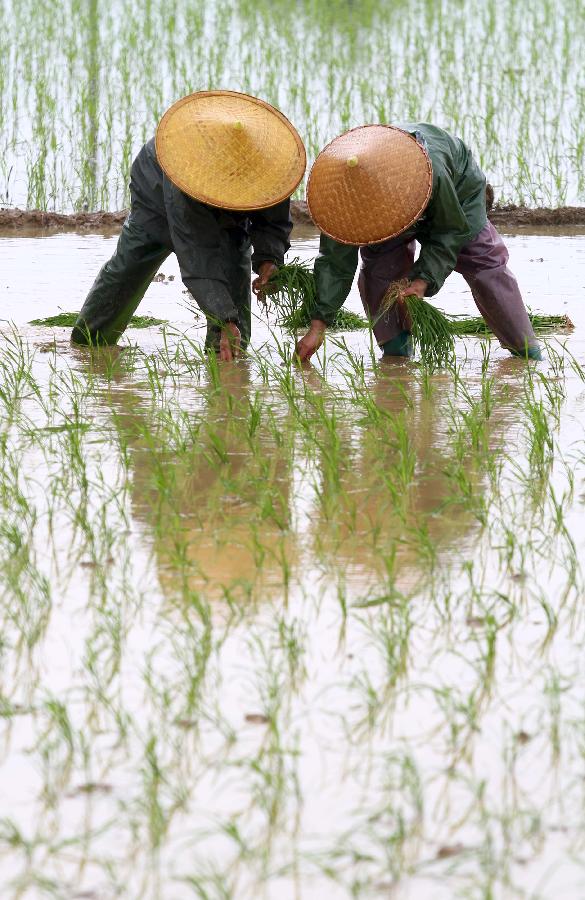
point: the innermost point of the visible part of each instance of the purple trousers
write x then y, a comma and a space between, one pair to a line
483, 264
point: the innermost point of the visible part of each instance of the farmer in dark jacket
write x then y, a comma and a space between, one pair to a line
378, 189
214, 188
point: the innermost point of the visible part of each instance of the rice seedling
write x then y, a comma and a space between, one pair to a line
270, 630
293, 294
431, 333
68, 320
543, 325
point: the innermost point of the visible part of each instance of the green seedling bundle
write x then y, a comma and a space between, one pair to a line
293, 295
293, 298
431, 331
68, 320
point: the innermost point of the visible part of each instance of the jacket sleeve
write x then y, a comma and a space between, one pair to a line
446, 231
269, 232
334, 273
196, 238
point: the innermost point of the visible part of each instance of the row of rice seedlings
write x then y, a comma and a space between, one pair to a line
294, 298
92, 98
190, 412
334, 465
68, 320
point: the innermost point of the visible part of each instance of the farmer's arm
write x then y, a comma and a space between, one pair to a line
334, 273
269, 232
446, 231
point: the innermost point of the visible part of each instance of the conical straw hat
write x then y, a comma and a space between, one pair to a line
369, 185
230, 150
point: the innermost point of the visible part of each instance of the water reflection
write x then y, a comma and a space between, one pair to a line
213, 486
243, 495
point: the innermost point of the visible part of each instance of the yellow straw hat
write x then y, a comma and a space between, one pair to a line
230, 150
369, 185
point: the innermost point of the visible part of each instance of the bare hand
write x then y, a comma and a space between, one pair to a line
311, 342
260, 284
417, 286
402, 289
229, 342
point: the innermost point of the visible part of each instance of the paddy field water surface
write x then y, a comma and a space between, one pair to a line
270, 632
288, 633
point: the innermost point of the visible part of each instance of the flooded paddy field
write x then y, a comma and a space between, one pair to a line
271, 632
84, 83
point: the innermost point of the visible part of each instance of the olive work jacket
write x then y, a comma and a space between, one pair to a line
455, 214
196, 232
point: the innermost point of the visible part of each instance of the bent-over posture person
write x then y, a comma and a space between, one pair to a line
214, 183
380, 188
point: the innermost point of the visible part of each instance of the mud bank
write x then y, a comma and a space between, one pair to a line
502, 216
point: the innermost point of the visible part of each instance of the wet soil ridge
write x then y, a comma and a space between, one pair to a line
31, 218
501, 216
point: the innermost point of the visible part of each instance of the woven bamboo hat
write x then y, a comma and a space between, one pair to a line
230, 150
369, 185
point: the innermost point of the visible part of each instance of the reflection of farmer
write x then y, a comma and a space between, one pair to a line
380, 188
216, 180
415, 483
219, 509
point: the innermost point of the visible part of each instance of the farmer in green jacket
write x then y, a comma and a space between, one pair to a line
378, 189
213, 186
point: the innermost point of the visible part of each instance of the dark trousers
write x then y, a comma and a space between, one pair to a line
124, 279
483, 264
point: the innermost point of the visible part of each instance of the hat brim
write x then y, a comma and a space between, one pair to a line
369, 185
230, 150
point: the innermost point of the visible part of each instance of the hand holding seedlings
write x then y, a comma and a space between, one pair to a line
417, 286
399, 290
260, 285
311, 342
229, 342
430, 330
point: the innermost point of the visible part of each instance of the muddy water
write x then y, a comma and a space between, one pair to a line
42, 275
286, 665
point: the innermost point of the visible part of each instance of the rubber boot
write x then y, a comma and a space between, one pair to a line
401, 345
533, 352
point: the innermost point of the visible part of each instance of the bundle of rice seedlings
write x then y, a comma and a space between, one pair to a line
432, 332
294, 295
293, 291
475, 325
68, 320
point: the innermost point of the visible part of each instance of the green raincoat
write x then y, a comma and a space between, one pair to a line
455, 214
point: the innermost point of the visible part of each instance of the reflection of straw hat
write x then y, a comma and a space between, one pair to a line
230, 150
369, 184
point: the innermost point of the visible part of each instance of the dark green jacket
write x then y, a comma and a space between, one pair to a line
455, 214
194, 231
